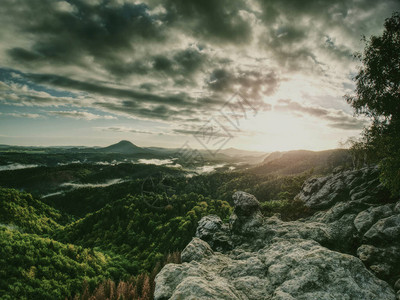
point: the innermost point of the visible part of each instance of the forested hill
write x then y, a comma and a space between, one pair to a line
24, 213
43, 259
33, 264
298, 161
92, 227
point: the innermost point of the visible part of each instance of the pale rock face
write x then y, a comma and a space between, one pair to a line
208, 226
363, 185
247, 217
385, 230
370, 216
287, 269
341, 252
196, 250
383, 261
245, 203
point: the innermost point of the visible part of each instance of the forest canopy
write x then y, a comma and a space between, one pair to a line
377, 96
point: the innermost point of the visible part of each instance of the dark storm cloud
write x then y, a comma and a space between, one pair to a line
24, 55
172, 63
149, 60
338, 119
65, 36
292, 24
150, 103
105, 31
218, 20
252, 84
64, 82
157, 112
190, 59
182, 62
288, 45
111, 34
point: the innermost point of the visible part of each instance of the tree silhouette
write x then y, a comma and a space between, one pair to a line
377, 96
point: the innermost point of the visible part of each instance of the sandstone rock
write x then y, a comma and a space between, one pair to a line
385, 230
397, 285
197, 249
245, 203
370, 216
397, 207
194, 288
305, 270
287, 269
249, 224
322, 193
214, 232
247, 217
383, 261
266, 258
208, 225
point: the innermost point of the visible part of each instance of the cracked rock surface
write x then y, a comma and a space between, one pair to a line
349, 249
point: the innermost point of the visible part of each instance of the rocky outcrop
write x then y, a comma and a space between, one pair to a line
196, 250
361, 185
349, 249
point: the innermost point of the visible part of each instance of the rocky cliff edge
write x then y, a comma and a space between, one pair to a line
349, 249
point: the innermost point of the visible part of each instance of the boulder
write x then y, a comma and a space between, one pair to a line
207, 226
286, 269
324, 192
245, 204
196, 250
383, 261
349, 249
247, 217
370, 216
386, 230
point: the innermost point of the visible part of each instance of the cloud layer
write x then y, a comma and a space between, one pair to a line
179, 61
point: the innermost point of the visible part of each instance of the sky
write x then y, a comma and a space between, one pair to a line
251, 74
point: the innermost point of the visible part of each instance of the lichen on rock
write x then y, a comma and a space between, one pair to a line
342, 252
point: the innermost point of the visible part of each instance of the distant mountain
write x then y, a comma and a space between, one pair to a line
298, 161
273, 156
122, 147
233, 152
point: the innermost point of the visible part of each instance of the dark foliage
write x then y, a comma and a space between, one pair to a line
32, 267
377, 96
143, 229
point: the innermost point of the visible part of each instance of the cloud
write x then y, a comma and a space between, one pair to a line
337, 118
81, 115
252, 84
23, 115
126, 129
68, 36
348, 125
312, 34
179, 61
221, 21
207, 133
68, 83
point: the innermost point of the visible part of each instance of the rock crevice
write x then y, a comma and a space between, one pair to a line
349, 249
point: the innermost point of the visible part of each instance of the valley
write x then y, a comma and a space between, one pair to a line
121, 212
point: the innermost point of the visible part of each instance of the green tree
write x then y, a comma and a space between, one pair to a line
377, 96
